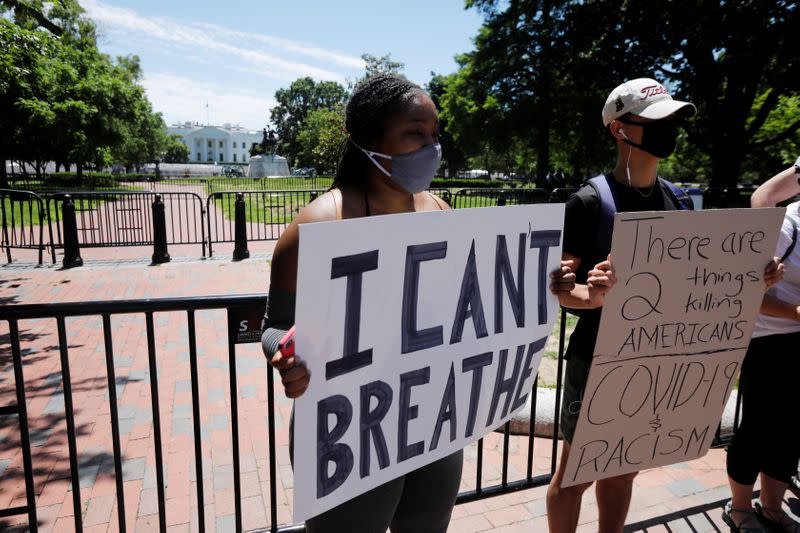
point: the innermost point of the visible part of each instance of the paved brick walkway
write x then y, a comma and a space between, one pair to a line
700, 484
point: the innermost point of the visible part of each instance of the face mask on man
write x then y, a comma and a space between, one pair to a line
658, 138
413, 171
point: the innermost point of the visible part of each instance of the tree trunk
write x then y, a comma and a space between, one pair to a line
544, 97
727, 156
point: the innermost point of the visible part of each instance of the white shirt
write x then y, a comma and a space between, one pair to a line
787, 290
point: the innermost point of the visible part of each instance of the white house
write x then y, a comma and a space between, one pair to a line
221, 144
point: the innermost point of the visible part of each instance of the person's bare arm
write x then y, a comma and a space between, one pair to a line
778, 188
294, 373
772, 306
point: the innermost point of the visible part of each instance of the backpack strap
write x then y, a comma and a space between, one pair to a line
789, 250
682, 199
607, 194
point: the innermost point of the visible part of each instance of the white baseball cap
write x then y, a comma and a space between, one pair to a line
646, 98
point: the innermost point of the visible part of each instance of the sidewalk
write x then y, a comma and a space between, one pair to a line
109, 276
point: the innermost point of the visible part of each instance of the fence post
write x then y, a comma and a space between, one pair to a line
160, 253
313, 195
72, 250
240, 250
5, 224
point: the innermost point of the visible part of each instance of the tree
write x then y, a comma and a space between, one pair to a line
21, 79
381, 65
321, 139
547, 66
377, 65
453, 158
295, 103
143, 133
738, 63
65, 101
175, 151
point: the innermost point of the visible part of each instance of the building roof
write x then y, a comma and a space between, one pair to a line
194, 127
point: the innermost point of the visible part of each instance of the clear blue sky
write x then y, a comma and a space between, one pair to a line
235, 55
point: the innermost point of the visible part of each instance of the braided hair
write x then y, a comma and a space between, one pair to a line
373, 101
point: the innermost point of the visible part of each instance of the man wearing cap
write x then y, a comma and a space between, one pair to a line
643, 119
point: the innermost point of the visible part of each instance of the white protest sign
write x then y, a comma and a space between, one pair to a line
422, 333
673, 333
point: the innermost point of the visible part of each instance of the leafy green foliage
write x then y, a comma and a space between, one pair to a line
535, 82
295, 103
175, 151
63, 100
321, 139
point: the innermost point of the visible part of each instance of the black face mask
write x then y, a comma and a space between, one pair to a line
658, 138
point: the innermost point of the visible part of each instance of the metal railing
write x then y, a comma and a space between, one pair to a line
267, 213
488, 197
23, 218
240, 310
125, 218
205, 186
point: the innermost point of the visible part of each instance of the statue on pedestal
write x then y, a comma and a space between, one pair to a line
268, 141
267, 163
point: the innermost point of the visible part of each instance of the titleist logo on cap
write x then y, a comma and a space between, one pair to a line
652, 90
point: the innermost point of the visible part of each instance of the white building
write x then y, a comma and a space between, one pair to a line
220, 144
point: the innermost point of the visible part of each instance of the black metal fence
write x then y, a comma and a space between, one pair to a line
208, 186
267, 213
23, 219
486, 197
125, 218
240, 310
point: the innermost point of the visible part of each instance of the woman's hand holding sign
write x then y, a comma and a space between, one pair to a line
293, 370
773, 272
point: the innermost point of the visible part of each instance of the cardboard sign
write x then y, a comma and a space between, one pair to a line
422, 333
673, 333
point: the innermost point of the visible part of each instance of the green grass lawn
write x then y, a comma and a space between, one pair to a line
21, 213
25, 213
223, 183
551, 348
266, 207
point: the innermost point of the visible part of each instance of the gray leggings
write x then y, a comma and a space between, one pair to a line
418, 502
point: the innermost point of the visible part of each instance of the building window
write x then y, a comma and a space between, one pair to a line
199, 157
244, 157
221, 159
209, 144
220, 145
234, 158
234, 144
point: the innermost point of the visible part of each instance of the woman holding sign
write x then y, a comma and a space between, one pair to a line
390, 157
763, 443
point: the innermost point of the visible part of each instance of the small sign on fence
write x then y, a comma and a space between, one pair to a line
245, 324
